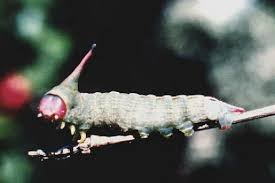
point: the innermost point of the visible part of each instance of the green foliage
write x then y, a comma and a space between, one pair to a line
14, 168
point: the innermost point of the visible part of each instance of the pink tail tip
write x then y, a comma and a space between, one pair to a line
239, 110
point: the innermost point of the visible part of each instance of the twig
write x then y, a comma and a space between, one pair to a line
96, 141
243, 117
84, 148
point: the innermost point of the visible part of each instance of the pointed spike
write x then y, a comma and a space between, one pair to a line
62, 125
39, 115
73, 77
72, 129
82, 137
93, 47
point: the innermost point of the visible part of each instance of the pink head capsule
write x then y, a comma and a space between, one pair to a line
52, 108
54, 105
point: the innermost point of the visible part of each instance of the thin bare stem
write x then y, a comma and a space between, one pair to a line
243, 117
83, 148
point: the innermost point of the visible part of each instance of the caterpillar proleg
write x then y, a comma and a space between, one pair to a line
144, 113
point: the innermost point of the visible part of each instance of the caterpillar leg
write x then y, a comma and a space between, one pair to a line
186, 128
82, 132
222, 112
61, 125
83, 137
166, 132
226, 119
144, 133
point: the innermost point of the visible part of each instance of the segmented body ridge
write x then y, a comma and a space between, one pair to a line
144, 113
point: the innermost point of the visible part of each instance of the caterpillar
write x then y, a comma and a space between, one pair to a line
143, 113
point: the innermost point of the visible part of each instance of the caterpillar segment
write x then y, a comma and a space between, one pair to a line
143, 113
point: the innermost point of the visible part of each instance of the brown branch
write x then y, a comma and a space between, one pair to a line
96, 141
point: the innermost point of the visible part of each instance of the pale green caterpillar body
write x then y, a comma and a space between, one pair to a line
143, 113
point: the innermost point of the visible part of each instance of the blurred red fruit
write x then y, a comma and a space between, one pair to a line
15, 92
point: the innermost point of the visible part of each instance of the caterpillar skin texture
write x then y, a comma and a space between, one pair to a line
144, 113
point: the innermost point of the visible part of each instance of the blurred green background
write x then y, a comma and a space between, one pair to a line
220, 48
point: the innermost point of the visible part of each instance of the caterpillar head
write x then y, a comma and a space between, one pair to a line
215, 108
55, 103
